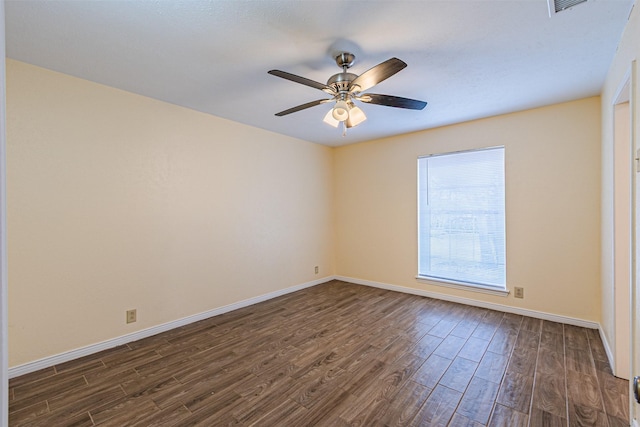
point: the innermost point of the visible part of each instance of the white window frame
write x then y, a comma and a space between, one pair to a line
451, 282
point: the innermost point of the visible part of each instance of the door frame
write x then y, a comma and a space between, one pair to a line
4, 354
630, 85
623, 228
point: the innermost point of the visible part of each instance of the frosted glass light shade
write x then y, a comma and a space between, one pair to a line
328, 119
356, 116
341, 111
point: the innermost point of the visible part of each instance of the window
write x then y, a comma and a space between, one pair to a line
461, 226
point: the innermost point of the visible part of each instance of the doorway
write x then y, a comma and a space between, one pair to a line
625, 124
622, 226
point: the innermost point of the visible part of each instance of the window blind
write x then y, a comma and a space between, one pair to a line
461, 218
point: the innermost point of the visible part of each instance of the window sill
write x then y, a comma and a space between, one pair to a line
464, 286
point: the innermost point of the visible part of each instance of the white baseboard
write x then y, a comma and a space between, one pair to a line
607, 349
476, 303
57, 359
46, 362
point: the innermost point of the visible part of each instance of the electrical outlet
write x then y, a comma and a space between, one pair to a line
518, 292
317, 269
131, 316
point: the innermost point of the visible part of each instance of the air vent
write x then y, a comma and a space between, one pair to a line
556, 6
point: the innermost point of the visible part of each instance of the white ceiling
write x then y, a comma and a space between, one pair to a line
469, 59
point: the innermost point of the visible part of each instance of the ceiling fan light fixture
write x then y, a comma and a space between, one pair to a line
346, 87
328, 119
341, 111
356, 116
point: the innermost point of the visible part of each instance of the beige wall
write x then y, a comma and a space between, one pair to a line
117, 201
552, 158
619, 72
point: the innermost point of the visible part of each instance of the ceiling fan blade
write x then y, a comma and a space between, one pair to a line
392, 101
302, 107
377, 74
302, 80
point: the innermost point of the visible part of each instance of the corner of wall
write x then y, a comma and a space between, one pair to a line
607, 348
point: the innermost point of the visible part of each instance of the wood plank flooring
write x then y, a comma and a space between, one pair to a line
337, 354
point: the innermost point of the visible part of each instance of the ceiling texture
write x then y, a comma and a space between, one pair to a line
468, 59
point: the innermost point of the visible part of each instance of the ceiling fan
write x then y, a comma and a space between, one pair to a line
345, 88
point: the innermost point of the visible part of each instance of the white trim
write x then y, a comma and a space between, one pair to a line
46, 362
4, 304
607, 349
633, 291
620, 340
483, 289
468, 301
470, 150
623, 93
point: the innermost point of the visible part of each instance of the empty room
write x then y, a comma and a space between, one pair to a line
319, 213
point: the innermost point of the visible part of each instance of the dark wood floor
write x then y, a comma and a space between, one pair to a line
338, 354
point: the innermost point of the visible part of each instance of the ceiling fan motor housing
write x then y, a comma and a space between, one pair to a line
340, 82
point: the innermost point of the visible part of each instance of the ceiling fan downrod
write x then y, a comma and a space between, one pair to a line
341, 82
